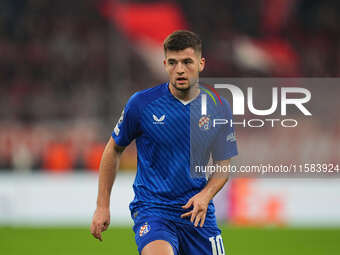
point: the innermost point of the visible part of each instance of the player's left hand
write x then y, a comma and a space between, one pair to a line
199, 204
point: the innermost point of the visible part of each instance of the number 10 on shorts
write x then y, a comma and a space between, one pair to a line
217, 245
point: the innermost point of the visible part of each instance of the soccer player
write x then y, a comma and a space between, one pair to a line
173, 212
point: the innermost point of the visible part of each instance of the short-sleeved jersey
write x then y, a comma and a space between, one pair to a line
169, 139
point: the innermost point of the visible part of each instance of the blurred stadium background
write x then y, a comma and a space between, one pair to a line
68, 67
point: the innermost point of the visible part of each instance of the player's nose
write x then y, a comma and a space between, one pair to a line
179, 68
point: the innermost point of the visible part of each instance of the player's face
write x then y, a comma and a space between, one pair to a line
183, 67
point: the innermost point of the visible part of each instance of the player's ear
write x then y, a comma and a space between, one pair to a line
201, 64
165, 66
164, 60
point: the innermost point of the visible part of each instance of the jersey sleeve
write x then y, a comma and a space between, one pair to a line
128, 125
225, 145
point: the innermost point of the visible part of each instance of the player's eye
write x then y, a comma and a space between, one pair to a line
171, 62
187, 61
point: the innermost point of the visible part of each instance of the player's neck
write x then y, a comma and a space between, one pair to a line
185, 95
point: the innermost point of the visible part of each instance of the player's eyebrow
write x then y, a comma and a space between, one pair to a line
181, 60
188, 60
172, 60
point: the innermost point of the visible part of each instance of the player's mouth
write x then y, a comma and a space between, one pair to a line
181, 80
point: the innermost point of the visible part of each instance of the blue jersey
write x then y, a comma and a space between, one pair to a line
170, 138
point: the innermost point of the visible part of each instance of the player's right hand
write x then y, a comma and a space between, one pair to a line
100, 222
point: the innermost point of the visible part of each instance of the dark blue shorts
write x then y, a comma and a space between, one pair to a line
184, 239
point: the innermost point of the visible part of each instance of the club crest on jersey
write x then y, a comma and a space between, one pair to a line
159, 120
144, 229
204, 123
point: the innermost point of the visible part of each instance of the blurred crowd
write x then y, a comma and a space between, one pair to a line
55, 147
66, 71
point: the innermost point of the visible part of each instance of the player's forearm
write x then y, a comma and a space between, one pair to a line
214, 185
216, 181
107, 173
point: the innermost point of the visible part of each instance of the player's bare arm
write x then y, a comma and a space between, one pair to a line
200, 201
107, 173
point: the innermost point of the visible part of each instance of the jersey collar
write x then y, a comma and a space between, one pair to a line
185, 103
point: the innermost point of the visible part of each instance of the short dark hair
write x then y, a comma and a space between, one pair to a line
182, 39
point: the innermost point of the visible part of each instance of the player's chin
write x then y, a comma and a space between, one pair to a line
182, 85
